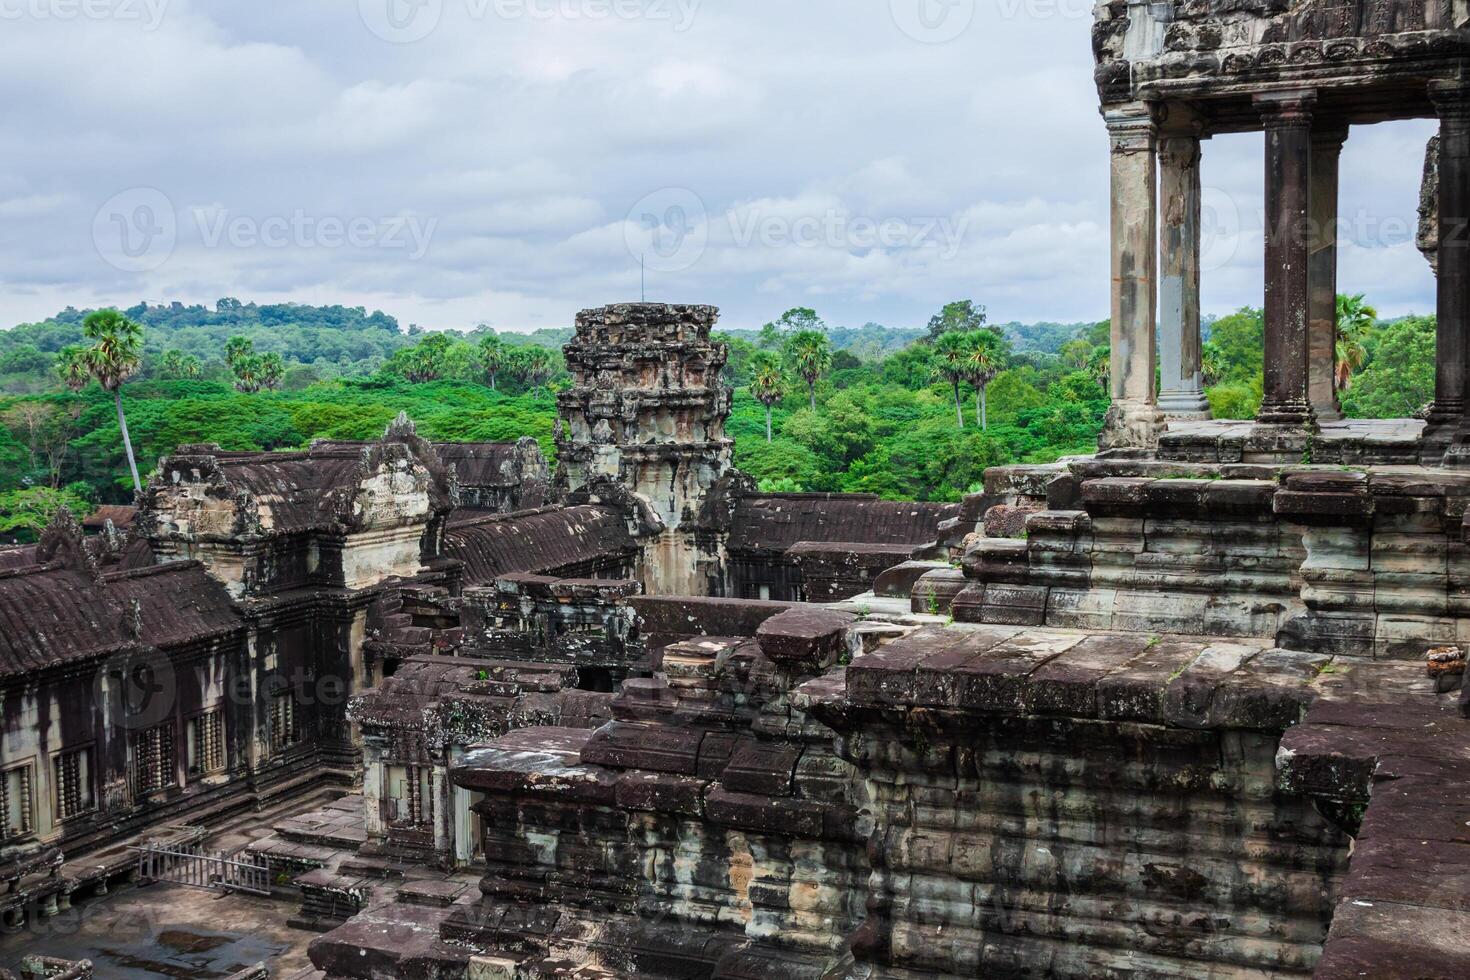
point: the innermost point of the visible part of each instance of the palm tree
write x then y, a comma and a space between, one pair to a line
810, 354
986, 353
1211, 364
1354, 320
766, 382
538, 366
272, 370
115, 355
950, 352
237, 348
177, 365
494, 357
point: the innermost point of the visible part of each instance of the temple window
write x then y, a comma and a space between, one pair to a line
153, 764
16, 802
205, 743
74, 792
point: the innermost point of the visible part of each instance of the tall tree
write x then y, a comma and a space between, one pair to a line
494, 357
950, 353
114, 356
1076, 353
810, 355
986, 353
962, 314
792, 322
1355, 319
766, 383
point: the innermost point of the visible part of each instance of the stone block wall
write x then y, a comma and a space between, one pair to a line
1365, 562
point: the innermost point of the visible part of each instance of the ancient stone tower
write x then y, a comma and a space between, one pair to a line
646, 417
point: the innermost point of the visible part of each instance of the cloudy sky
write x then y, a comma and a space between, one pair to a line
508, 162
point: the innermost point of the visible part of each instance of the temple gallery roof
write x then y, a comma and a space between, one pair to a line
541, 541
332, 485
54, 614
776, 522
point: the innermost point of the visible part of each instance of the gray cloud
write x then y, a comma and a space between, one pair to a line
834, 157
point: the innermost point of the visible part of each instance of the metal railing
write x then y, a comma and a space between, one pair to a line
190, 864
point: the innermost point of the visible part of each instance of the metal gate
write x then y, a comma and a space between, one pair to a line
190, 864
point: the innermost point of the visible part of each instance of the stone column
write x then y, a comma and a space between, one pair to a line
1448, 413
1288, 122
1182, 395
1134, 420
1322, 273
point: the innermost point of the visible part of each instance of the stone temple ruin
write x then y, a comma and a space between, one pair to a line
1189, 707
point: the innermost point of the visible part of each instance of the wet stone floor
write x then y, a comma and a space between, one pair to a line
167, 931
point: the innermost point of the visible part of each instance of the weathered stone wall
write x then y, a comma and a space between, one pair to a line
1366, 562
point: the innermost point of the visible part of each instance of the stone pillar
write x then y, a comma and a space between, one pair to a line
1182, 394
1322, 273
1448, 413
1134, 420
1288, 121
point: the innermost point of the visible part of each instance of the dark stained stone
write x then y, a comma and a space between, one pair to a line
808, 637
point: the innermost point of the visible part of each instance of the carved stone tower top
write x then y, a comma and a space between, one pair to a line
647, 412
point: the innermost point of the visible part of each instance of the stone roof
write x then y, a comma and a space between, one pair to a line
177, 603
121, 516
52, 614
480, 464
541, 541
333, 485
776, 522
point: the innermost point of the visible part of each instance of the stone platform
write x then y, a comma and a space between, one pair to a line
832, 799
1349, 441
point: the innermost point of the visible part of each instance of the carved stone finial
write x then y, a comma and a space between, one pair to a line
401, 430
64, 541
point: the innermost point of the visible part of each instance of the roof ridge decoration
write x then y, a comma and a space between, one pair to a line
64, 544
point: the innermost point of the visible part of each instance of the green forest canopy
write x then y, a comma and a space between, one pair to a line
886, 418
